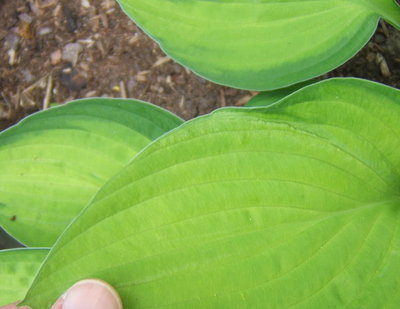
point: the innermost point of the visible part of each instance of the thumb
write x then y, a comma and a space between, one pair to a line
89, 294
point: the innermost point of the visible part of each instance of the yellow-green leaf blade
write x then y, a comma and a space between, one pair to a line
261, 45
18, 268
271, 207
53, 162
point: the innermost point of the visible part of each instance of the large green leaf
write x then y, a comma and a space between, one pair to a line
292, 206
53, 162
261, 44
18, 267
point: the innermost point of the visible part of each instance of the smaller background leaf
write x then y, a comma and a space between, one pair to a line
18, 268
53, 162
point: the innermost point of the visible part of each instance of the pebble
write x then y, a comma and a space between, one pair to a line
44, 31
85, 4
71, 52
25, 18
27, 75
56, 57
12, 41
11, 56
35, 9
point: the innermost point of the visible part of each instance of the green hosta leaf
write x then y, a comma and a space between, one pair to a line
267, 98
292, 206
53, 162
18, 267
261, 44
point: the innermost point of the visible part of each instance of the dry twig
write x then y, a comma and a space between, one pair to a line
161, 61
243, 100
49, 88
222, 97
123, 89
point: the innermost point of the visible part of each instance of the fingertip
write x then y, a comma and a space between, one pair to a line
59, 303
89, 294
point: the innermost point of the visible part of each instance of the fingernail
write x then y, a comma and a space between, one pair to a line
90, 294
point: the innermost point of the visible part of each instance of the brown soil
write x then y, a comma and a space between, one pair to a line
118, 60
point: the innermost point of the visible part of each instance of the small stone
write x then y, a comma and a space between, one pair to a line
12, 41
85, 4
35, 9
71, 52
27, 75
25, 18
56, 57
11, 56
44, 31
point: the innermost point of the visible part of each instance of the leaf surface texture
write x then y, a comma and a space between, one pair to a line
295, 205
53, 162
261, 44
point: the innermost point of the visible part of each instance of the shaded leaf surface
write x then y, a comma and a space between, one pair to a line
267, 98
291, 206
18, 268
263, 44
53, 162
